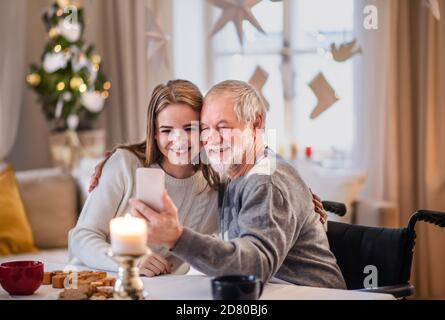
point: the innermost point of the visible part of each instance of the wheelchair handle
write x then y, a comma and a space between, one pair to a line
433, 217
335, 207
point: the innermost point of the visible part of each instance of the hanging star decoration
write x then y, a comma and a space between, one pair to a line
345, 51
258, 80
157, 41
325, 94
434, 7
236, 11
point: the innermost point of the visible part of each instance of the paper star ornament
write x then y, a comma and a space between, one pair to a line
157, 41
236, 11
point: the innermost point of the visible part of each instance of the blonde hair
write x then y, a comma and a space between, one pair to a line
248, 102
174, 92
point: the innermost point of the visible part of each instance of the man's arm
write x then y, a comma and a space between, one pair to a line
266, 232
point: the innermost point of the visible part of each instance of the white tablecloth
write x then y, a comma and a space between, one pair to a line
197, 287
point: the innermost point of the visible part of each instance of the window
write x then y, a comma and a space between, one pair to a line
310, 26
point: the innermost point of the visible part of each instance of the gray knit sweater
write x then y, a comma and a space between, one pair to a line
269, 229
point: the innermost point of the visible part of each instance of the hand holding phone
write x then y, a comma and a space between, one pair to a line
150, 186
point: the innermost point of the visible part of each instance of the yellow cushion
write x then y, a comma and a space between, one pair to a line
15, 231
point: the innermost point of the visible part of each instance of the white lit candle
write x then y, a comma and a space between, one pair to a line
128, 235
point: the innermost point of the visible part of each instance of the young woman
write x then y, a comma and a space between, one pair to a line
174, 107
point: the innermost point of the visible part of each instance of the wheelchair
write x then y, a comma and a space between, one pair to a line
389, 250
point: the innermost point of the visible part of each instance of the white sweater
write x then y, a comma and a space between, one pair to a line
89, 240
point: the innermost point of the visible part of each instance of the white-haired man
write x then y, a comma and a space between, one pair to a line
267, 224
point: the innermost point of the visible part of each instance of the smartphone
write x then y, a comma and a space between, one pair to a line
150, 186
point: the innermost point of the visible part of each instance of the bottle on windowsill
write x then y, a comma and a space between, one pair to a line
308, 152
293, 151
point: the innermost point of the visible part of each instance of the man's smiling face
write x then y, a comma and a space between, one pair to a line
223, 135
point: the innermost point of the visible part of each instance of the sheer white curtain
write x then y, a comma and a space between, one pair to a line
12, 68
400, 109
373, 97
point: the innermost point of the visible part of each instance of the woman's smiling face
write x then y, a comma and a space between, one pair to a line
177, 133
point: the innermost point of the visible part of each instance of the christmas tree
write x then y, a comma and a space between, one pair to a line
69, 81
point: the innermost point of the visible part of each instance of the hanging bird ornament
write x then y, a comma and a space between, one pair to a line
345, 51
236, 11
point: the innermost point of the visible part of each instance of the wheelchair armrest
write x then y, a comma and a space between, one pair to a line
398, 291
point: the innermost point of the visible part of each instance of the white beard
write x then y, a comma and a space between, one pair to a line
219, 165
222, 170
230, 162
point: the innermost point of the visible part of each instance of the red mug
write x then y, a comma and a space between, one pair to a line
21, 278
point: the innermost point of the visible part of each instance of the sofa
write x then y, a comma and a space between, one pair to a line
53, 199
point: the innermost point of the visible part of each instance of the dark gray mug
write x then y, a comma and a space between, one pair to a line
236, 287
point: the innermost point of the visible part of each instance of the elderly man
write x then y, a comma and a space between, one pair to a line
267, 224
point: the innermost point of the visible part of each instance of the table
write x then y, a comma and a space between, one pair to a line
197, 287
